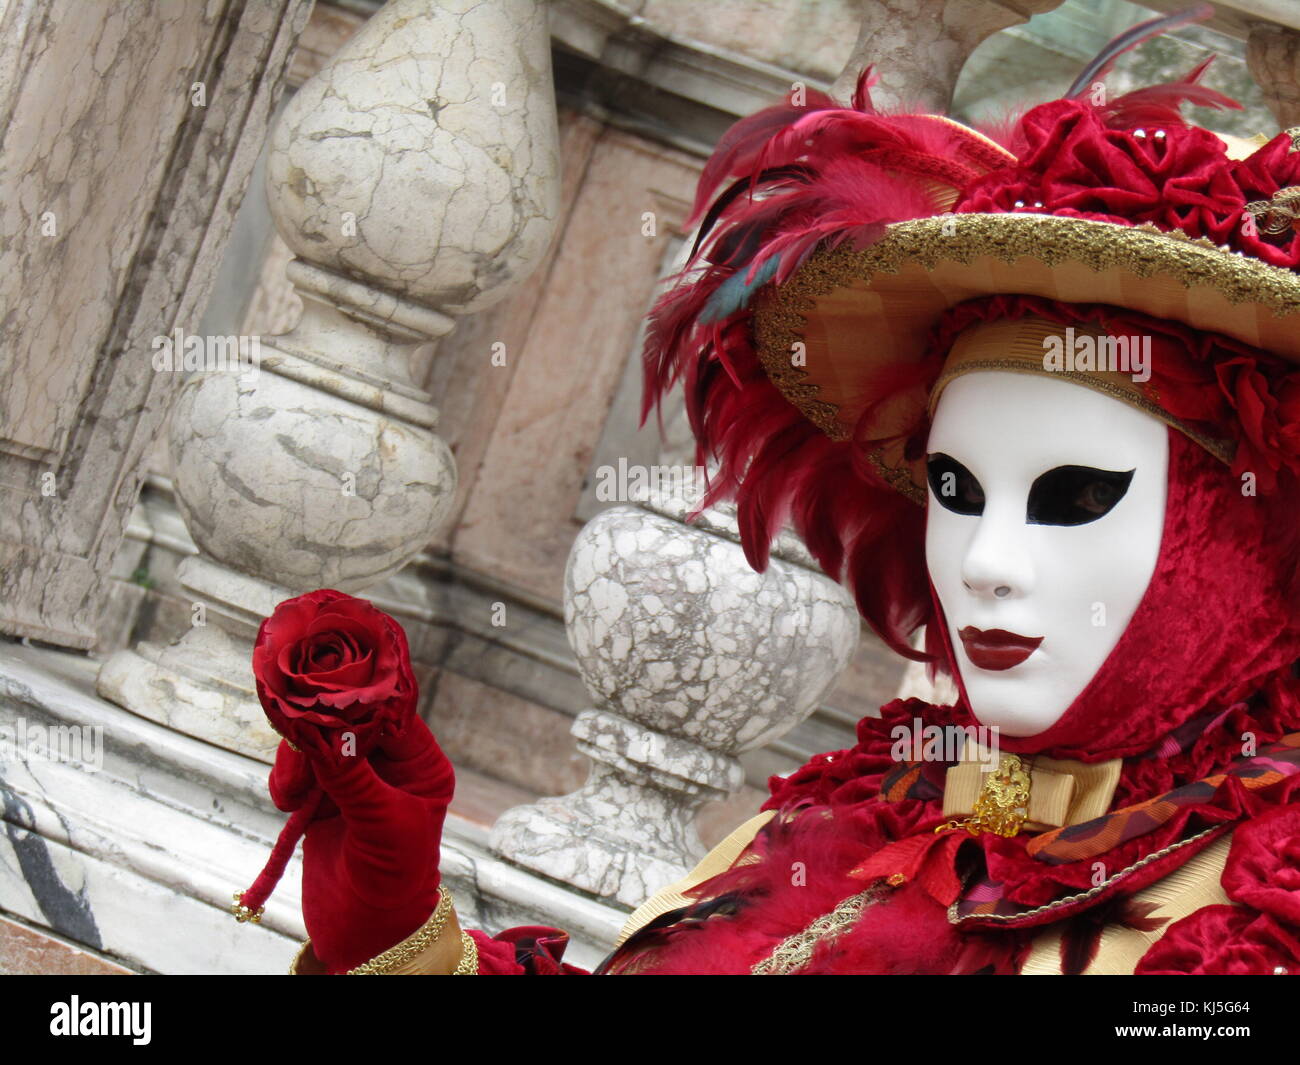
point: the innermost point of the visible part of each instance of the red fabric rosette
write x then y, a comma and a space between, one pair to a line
1263, 867
1223, 941
1268, 414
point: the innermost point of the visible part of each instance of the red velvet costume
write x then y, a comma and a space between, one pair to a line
1200, 697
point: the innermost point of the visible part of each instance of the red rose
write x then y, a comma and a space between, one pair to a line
332, 673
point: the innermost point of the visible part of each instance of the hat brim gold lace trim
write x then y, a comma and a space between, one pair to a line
905, 281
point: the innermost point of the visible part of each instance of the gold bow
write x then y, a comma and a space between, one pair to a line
1033, 792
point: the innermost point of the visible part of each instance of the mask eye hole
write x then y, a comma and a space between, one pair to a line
1075, 495
954, 486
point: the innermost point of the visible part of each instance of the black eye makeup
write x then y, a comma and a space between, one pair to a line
954, 486
1066, 495
1075, 495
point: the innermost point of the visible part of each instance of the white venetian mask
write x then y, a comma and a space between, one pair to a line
1044, 520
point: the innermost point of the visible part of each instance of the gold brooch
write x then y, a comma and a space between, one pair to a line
1003, 801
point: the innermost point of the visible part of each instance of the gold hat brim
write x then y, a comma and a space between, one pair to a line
858, 312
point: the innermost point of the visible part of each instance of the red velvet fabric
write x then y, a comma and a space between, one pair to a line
805, 871
1076, 162
371, 856
529, 950
1260, 934
1223, 941
1263, 867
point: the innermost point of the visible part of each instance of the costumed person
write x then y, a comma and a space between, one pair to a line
1035, 389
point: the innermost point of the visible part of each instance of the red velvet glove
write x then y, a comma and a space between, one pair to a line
371, 853
362, 774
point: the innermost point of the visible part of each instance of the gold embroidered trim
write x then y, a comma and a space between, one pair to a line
415, 943
469, 956
781, 311
1278, 214
393, 960
1221, 449
953, 918
900, 480
794, 952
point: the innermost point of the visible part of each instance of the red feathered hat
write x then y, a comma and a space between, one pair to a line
850, 262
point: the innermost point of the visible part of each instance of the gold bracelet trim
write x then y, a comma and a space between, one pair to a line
423, 937
469, 956
396, 959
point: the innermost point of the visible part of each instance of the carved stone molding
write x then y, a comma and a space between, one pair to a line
128, 139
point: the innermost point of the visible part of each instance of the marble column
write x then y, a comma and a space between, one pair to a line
918, 47
415, 179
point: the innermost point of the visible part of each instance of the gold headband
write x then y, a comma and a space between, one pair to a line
1084, 354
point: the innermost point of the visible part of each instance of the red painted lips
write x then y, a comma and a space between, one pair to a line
997, 649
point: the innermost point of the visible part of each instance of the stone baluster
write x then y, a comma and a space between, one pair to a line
918, 47
1273, 56
691, 658
415, 177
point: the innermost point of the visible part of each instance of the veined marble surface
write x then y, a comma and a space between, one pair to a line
447, 107
691, 657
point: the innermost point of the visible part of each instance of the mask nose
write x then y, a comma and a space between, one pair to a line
997, 562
